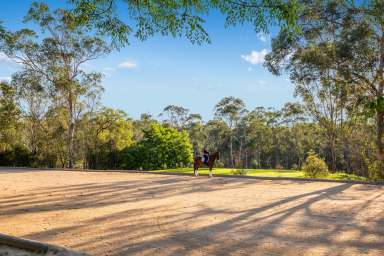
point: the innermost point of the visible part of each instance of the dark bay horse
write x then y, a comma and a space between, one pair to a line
198, 163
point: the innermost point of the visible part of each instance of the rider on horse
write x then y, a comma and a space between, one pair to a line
205, 156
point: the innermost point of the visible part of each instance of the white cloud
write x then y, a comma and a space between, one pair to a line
5, 58
127, 65
261, 82
262, 37
5, 78
255, 57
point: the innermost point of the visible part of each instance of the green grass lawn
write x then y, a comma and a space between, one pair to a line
264, 173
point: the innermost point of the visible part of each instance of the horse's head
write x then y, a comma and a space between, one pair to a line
217, 155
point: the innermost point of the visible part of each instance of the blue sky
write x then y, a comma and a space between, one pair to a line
144, 77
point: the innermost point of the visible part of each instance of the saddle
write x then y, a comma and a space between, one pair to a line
205, 159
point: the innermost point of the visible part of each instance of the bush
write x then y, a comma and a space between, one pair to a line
254, 164
295, 167
18, 156
241, 172
161, 147
375, 170
219, 164
315, 167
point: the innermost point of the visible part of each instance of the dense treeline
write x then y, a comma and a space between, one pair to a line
108, 139
51, 115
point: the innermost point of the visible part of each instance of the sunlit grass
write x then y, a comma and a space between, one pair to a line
263, 173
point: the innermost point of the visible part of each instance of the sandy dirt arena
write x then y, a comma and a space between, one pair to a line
116, 213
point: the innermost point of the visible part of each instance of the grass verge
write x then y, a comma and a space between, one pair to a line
264, 173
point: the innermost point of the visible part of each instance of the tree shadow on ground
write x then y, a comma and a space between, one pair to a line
167, 215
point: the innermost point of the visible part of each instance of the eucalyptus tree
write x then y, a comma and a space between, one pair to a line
337, 60
56, 56
217, 134
175, 116
9, 116
195, 128
230, 110
103, 136
142, 124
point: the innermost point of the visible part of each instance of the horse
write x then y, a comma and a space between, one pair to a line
199, 163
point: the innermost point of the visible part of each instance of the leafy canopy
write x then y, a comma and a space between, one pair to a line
161, 147
119, 19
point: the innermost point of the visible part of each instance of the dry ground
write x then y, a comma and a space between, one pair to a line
150, 214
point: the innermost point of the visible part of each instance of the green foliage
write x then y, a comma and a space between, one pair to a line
375, 170
241, 172
52, 61
179, 18
107, 133
337, 66
254, 164
9, 115
219, 164
17, 156
264, 173
315, 167
161, 147
295, 167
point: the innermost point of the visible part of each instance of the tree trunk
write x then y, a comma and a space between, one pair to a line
246, 158
71, 132
379, 141
240, 153
333, 153
231, 150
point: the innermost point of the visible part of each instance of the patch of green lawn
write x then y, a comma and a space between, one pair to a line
264, 173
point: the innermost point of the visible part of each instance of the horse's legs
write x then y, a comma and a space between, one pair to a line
210, 172
195, 170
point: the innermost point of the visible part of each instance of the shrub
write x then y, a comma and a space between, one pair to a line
219, 164
161, 147
254, 164
295, 167
18, 156
241, 172
315, 167
375, 170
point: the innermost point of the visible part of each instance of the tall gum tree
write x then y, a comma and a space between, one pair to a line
230, 110
341, 46
57, 56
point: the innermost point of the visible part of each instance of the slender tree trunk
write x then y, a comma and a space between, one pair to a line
380, 134
246, 158
231, 150
333, 153
240, 153
71, 133
379, 141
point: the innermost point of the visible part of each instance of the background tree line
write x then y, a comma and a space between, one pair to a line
51, 113
109, 139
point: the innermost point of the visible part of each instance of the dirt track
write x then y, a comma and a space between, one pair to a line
147, 214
